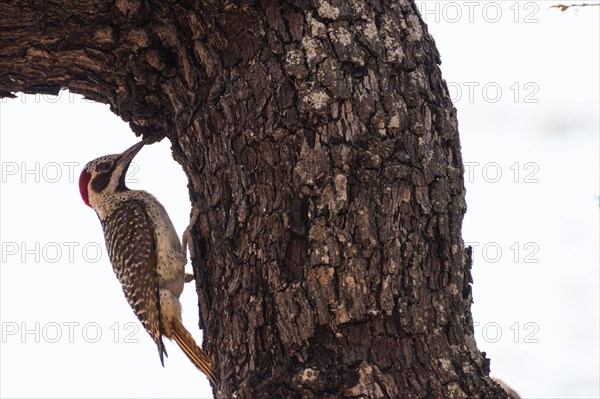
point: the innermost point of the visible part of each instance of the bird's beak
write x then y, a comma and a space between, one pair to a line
130, 153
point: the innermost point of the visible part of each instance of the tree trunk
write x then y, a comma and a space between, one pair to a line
323, 155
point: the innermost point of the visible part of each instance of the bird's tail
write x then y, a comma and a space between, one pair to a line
187, 344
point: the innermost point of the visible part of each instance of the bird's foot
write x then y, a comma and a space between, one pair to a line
187, 234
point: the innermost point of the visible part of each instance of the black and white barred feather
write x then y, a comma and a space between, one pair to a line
129, 236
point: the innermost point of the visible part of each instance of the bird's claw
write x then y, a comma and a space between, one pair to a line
187, 234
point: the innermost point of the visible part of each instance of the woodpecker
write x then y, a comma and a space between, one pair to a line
145, 252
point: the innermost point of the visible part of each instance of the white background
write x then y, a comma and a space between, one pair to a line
530, 136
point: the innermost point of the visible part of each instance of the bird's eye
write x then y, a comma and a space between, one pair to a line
103, 167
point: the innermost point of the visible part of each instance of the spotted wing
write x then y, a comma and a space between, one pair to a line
129, 235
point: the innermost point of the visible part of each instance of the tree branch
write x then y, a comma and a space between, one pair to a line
35, 55
564, 8
93, 48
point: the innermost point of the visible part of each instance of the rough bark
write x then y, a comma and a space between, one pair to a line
323, 154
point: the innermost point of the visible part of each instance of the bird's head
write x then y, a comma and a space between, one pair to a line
106, 175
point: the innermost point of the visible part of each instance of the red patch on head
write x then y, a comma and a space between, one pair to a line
84, 179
